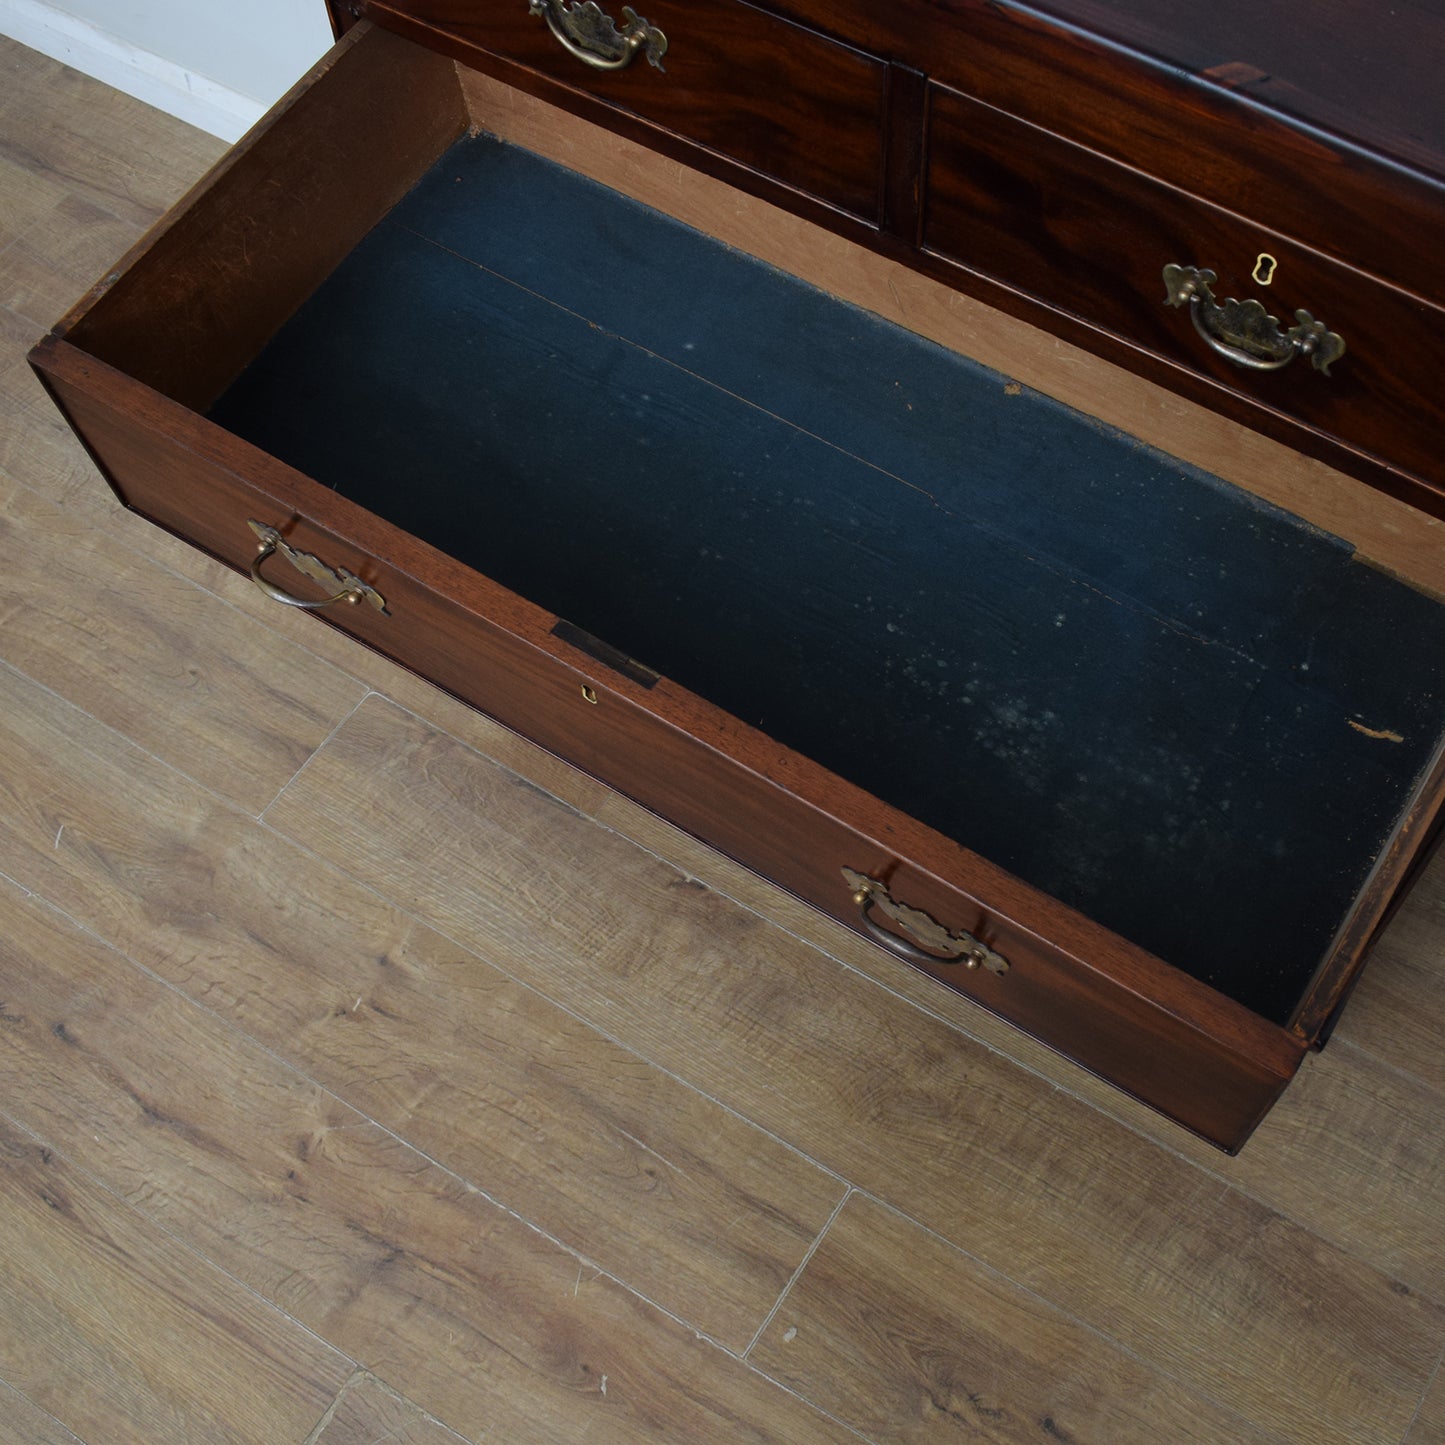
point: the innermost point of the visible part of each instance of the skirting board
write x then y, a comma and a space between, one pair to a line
76, 42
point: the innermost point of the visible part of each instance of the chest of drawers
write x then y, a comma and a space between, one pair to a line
996, 633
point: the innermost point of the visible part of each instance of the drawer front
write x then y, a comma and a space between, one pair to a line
1201, 133
782, 100
1092, 238
1145, 1027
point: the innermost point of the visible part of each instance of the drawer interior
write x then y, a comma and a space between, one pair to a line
1181, 711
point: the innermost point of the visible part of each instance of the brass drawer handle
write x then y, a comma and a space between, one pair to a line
351, 588
594, 38
964, 948
1243, 331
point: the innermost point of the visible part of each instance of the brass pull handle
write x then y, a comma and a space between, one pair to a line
350, 588
583, 30
940, 946
1243, 331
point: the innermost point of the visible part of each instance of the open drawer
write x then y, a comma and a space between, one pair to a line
1128, 756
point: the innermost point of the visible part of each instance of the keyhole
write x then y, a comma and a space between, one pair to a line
589, 693
1264, 268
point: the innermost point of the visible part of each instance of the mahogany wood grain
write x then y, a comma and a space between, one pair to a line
903, 167
1192, 134
1368, 74
776, 97
1147, 1027
1092, 239
1134, 83
191, 305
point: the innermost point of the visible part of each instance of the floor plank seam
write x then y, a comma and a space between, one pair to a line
329, 1413
311, 757
1436, 1375
1195, 1166
41, 1410
126, 740
177, 1241
377, 1383
797, 1273
27, 892
1062, 1313
828, 1415
291, 1066
1342, 1043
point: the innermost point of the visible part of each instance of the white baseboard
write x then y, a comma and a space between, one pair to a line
159, 82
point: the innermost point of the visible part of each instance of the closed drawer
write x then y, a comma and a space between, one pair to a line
1091, 238
784, 101
560, 449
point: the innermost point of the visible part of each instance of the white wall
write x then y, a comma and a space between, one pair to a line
215, 63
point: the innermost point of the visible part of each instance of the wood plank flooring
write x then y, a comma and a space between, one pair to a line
367, 1074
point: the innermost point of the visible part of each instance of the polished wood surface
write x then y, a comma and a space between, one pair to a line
245, 1043
1309, 60
1347, 199
744, 83
1092, 238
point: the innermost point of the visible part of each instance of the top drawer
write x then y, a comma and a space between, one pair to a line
780, 99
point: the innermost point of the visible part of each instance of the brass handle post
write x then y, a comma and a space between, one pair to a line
942, 946
1243, 332
350, 588
586, 31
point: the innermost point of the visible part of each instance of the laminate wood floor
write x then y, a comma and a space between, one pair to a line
366, 1074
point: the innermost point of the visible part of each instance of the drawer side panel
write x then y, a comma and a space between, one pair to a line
200, 295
